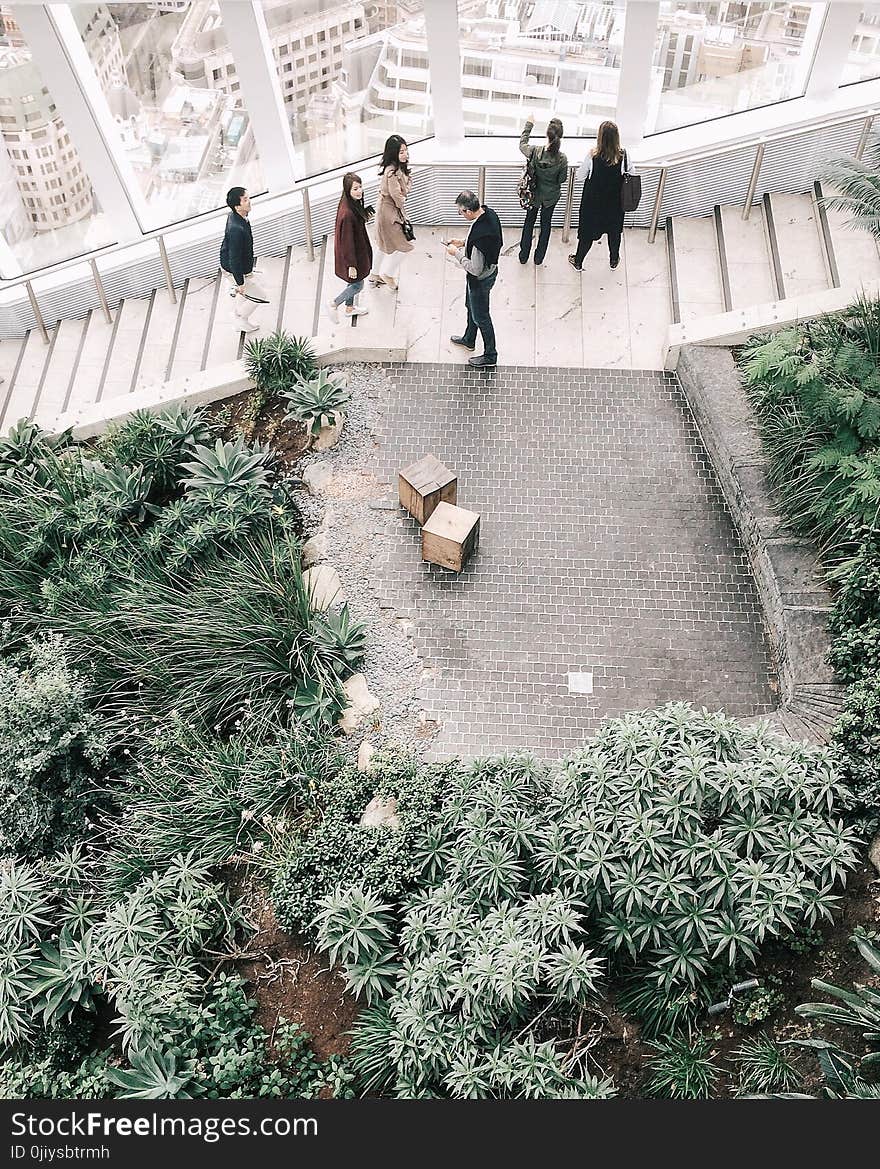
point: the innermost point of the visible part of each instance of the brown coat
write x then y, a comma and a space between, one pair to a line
393, 189
351, 244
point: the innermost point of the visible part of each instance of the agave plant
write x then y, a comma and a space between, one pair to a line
275, 362
126, 492
340, 640
316, 400
186, 426
26, 443
61, 980
154, 1075
227, 466
316, 703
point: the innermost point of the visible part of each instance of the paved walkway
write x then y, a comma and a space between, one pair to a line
606, 550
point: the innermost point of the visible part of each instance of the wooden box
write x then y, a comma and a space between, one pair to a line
450, 536
422, 485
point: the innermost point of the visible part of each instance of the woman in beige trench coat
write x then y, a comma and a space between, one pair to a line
394, 186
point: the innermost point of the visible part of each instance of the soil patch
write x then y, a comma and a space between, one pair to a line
291, 980
259, 418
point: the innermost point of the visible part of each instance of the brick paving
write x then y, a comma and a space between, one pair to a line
605, 549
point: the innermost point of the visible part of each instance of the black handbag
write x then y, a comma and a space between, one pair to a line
408, 230
630, 190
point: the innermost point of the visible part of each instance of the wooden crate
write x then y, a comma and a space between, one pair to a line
422, 485
450, 536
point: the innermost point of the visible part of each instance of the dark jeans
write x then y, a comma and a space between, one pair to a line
613, 246
476, 299
349, 293
525, 243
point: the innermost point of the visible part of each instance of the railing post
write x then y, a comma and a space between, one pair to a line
481, 185
41, 324
307, 220
102, 295
169, 279
863, 137
569, 200
655, 214
753, 180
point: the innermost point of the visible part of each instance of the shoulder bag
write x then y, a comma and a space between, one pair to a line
407, 229
528, 184
630, 190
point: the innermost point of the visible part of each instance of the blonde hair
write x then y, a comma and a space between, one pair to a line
608, 144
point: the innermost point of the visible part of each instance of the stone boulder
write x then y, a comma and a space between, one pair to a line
324, 586
329, 434
361, 704
314, 549
366, 751
316, 478
381, 812
874, 852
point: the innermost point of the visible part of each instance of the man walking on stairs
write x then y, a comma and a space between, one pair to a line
237, 259
478, 255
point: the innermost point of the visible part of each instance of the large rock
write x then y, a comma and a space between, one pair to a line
316, 478
314, 549
361, 704
324, 586
328, 435
366, 751
381, 812
874, 852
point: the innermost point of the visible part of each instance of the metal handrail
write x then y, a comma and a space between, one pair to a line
686, 158
569, 201
102, 295
166, 267
753, 180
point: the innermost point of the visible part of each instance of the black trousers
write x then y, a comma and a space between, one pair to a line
476, 301
584, 246
525, 243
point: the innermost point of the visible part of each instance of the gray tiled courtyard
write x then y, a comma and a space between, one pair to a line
605, 550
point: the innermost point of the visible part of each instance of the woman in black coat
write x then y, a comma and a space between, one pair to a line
601, 212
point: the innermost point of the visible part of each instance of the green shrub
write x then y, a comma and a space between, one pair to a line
335, 850
274, 363
53, 750
815, 390
854, 625
227, 467
238, 632
857, 747
765, 1067
684, 1068
192, 791
756, 1006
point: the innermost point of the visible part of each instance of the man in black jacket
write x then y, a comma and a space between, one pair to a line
237, 258
479, 258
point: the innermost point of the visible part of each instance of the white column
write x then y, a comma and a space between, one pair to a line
639, 37
444, 64
832, 47
248, 38
67, 72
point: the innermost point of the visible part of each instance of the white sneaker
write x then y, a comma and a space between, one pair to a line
250, 327
357, 312
332, 310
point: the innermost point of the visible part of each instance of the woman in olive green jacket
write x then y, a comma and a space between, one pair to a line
551, 171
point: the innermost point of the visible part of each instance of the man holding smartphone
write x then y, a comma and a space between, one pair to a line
478, 255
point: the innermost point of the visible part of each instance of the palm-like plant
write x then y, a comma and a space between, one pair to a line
858, 186
316, 400
154, 1074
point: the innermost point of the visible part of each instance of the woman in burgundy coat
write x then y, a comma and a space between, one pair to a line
352, 250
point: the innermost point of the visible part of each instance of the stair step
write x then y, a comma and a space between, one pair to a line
795, 727
28, 376
10, 356
93, 358
748, 258
696, 263
302, 291
159, 339
800, 248
819, 726
131, 317
60, 370
195, 321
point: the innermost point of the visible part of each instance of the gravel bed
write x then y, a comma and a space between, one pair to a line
358, 537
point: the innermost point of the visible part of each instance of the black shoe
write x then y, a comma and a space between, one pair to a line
524, 261
482, 361
461, 341
577, 267
614, 263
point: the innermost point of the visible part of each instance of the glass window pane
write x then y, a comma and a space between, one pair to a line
554, 57
715, 59
863, 62
350, 75
48, 210
169, 79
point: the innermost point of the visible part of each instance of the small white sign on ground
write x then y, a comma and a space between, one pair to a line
580, 683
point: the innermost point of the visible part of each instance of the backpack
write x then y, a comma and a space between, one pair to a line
528, 184
630, 190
